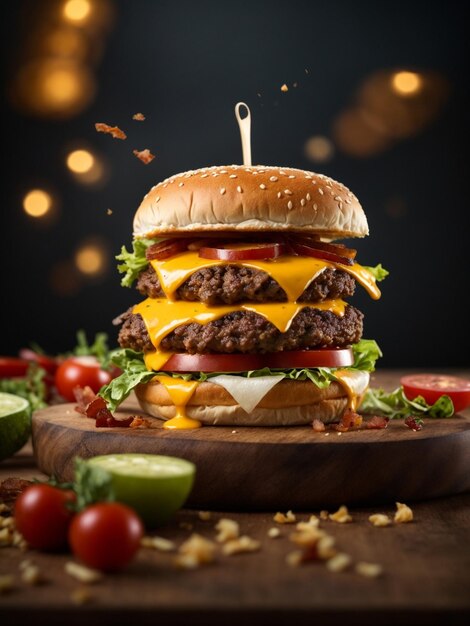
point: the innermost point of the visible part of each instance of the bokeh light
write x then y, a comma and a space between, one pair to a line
319, 149
91, 259
406, 83
80, 161
67, 42
64, 279
37, 203
77, 11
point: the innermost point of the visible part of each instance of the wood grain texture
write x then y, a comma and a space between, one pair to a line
275, 468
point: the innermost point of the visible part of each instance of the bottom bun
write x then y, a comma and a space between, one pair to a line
289, 403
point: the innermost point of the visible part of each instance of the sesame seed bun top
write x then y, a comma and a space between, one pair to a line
246, 199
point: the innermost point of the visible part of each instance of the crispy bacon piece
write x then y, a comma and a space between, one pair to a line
140, 422
140, 117
11, 488
349, 420
115, 131
91, 405
318, 426
376, 421
414, 423
144, 155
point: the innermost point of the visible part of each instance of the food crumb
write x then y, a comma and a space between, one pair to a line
369, 570
31, 575
205, 516
274, 533
82, 573
234, 432
287, 518
403, 514
186, 525
241, 544
227, 529
380, 520
81, 595
158, 543
140, 117
324, 515
341, 516
339, 562
144, 155
284, 87
108, 212
294, 559
195, 551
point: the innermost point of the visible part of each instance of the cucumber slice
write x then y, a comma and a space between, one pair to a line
155, 486
15, 424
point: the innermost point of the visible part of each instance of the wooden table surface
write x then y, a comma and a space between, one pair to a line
426, 577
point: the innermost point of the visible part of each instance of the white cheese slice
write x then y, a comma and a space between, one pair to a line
247, 392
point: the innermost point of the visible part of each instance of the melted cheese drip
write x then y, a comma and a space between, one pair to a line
180, 392
292, 273
355, 384
161, 316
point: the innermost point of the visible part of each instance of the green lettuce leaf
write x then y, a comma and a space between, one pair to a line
32, 387
99, 347
378, 272
396, 405
133, 262
134, 372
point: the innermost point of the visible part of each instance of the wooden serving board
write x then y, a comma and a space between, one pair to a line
275, 468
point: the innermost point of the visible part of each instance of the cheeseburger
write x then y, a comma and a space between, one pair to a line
245, 318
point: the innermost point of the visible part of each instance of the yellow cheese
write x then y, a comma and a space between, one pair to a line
180, 392
292, 273
161, 316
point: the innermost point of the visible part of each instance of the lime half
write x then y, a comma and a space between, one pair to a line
15, 424
155, 486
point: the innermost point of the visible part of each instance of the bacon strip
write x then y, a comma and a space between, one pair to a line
93, 406
144, 155
115, 131
377, 421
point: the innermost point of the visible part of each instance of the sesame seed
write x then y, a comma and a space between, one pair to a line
292, 176
289, 205
157, 199
348, 201
320, 191
283, 173
171, 182
288, 192
165, 185
314, 182
262, 186
279, 194
309, 197
222, 191
302, 202
338, 198
315, 206
239, 189
180, 184
223, 171
232, 176
255, 173
214, 174
273, 179
204, 175
340, 206
308, 177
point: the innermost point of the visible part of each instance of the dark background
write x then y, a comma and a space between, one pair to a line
185, 65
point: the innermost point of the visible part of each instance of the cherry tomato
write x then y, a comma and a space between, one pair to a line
244, 362
80, 371
106, 536
43, 516
433, 386
11, 366
48, 363
250, 251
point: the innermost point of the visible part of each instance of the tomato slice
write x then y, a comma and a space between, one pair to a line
433, 386
48, 363
324, 357
11, 366
308, 250
251, 252
336, 248
167, 248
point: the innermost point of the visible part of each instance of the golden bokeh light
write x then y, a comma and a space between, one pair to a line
90, 259
406, 83
319, 149
54, 87
80, 161
356, 135
66, 41
77, 11
37, 203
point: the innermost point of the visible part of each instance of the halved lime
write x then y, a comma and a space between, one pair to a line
15, 424
155, 486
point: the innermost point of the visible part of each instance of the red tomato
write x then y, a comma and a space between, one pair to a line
261, 251
305, 250
80, 371
46, 362
11, 366
245, 362
106, 536
433, 386
43, 517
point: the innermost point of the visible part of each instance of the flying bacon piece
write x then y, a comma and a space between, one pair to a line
140, 117
115, 131
144, 155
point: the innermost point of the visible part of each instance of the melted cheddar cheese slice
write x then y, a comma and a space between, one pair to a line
292, 273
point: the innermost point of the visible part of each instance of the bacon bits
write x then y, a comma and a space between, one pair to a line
144, 155
376, 421
91, 405
139, 117
349, 419
414, 423
284, 88
115, 131
318, 426
140, 422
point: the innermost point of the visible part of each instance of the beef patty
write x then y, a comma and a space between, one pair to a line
248, 332
229, 284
